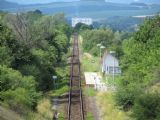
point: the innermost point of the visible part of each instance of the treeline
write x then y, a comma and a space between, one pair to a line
32, 47
104, 36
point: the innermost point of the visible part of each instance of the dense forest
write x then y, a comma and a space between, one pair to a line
33, 48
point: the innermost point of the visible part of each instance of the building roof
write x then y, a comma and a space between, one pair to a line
92, 78
105, 55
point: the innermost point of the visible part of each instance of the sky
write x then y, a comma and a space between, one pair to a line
38, 1
129, 1
48, 1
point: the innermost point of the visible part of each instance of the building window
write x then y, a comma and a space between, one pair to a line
116, 70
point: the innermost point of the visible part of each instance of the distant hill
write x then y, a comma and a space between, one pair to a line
131, 1
95, 9
138, 4
116, 15
150, 1
5, 4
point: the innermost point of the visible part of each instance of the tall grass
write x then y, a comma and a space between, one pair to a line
90, 116
108, 108
59, 91
90, 64
90, 92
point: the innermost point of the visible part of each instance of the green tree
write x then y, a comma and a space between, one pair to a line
140, 65
94, 37
16, 90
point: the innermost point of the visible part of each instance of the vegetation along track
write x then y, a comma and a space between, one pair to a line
75, 105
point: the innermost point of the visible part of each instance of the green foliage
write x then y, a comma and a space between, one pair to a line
140, 65
125, 97
93, 37
90, 116
5, 58
11, 79
36, 46
147, 107
40, 56
32, 46
20, 98
60, 91
109, 39
90, 63
82, 27
17, 91
90, 92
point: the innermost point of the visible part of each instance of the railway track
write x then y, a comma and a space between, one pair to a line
75, 100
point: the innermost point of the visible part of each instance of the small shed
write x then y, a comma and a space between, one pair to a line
110, 64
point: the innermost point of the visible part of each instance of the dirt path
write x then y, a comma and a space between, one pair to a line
92, 107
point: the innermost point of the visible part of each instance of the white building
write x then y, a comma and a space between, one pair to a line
87, 21
110, 64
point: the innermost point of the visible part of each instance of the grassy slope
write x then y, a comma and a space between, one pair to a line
6, 114
90, 64
109, 111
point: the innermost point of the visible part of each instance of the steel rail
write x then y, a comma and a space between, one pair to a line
75, 61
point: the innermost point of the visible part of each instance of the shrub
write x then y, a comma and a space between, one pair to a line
11, 79
20, 99
44, 109
125, 97
17, 91
147, 107
5, 57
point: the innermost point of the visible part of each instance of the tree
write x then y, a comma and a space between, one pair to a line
140, 64
32, 46
94, 37
16, 90
82, 27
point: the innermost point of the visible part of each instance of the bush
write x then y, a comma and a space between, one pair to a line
125, 97
17, 91
147, 107
20, 99
44, 109
5, 57
11, 79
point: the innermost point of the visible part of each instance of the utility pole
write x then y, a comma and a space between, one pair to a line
113, 73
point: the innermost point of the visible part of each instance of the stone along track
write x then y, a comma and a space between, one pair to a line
75, 102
